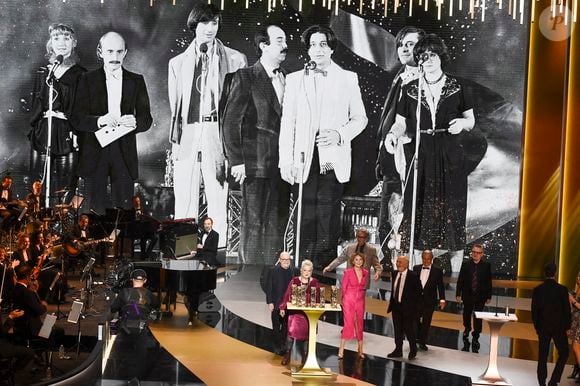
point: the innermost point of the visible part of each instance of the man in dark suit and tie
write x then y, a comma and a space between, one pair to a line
474, 290
208, 243
433, 294
251, 127
405, 297
552, 317
111, 99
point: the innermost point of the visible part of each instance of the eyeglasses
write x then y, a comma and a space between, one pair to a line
285, 259
477, 252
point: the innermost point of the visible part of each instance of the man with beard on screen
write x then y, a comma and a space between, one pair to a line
195, 82
110, 99
251, 127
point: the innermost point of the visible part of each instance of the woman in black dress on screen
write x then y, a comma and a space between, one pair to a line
446, 117
62, 41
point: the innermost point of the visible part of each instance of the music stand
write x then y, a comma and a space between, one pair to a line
76, 315
87, 279
59, 313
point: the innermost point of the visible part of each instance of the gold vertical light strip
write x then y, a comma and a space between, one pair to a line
248, 4
360, 6
386, 8
515, 9
570, 210
426, 5
533, 11
410, 8
450, 8
269, 7
336, 8
510, 7
460, 2
438, 3
329, 4
522, 11
544, 106
471, 8
482, 10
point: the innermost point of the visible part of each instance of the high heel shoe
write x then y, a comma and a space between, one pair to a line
340, 355
575, 372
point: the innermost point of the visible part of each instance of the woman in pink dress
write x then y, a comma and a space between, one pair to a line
297, 321
353, 302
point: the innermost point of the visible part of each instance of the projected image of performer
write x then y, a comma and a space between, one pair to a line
406, 39
322, 113
9, 205
446, 116
251, 127
60, 48
195, 82
110, 98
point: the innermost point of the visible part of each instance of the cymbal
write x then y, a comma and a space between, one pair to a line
62, 206
62, 191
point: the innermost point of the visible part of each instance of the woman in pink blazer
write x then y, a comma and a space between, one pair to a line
353, 302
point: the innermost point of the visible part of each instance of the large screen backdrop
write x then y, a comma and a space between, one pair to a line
489, 53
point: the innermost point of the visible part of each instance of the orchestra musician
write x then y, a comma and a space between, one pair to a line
34, 199
145, 228
8, 205
7, 276
26, 299
23, 252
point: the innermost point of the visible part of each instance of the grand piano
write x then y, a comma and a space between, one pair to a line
189, 277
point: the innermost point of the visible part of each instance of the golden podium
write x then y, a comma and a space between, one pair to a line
311, 367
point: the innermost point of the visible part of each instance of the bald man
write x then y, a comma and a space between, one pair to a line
110, 98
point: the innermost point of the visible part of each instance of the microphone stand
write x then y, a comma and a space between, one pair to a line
299, 217
416, 165
47, 168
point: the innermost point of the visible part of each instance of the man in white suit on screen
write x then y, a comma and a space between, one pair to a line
323, 112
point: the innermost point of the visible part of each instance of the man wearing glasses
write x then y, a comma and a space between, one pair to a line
361, 246
276, 284
474, 290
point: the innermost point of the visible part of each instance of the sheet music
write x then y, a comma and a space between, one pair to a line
47, 325
110, 134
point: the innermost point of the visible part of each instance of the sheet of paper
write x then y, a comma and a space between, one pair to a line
110, 134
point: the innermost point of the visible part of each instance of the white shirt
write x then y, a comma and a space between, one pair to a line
114, 91
5, 194
278, 80
424, 276
401, 284
204, 237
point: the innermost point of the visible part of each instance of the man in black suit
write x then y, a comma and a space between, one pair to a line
405, 297
208, 243
552, 317
251, 127
474, 290
276, 285
433, 294
8, 211
110, 98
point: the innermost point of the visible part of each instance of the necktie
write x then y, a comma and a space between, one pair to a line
278, 83
319, 71
193, 113
397, 288
426, 268
474, 279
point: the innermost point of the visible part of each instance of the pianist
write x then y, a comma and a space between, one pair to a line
208, 245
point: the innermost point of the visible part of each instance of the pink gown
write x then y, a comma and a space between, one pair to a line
297, 321
353, 303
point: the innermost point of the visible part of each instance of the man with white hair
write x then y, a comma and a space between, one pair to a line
404, 302
276, 284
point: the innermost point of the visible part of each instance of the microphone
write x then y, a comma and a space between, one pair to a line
422, 58
203, 50
57, 62
94, 212
311, 65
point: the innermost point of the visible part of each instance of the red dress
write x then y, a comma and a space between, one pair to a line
297, 321
353, 303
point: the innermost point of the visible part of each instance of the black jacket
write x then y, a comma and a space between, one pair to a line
91, 103
410, 298
434, 289
483, 291
251, 122
550, 308
210, 247
277, 282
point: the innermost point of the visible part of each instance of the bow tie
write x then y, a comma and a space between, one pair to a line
427, 268
319, 71
277, 70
